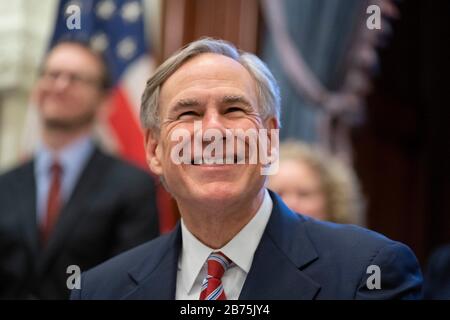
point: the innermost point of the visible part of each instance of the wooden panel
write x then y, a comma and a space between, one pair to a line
188, 20
172, 26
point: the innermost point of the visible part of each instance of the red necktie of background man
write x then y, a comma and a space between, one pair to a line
53, 201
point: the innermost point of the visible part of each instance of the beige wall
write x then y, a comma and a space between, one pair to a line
24, 30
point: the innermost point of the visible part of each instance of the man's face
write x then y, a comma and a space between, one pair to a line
68, 93
219, 93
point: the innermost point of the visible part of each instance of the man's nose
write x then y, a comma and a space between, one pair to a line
212, 119
61, 82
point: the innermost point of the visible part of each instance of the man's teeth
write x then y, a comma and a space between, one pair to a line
214, 160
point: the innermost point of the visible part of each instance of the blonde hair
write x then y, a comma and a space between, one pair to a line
339, 184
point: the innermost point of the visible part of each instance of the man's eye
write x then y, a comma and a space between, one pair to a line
234, 109
188, 114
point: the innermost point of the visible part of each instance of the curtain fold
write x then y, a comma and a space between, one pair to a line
321, 31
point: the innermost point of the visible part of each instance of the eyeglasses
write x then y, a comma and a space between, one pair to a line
72, 77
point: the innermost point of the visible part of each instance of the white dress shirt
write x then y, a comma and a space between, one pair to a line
192, 263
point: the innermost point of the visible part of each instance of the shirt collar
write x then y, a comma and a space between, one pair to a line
240, 249
72, 157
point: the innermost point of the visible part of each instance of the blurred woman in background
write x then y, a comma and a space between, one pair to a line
317, 185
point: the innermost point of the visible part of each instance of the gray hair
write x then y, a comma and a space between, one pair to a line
268, 92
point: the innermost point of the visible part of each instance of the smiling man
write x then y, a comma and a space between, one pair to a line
236, 239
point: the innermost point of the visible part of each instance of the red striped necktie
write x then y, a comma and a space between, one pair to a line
212, 288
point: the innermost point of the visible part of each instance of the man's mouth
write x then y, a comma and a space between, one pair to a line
216, 161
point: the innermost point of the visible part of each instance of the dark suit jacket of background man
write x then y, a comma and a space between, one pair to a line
437, 276
111, 209
297, 258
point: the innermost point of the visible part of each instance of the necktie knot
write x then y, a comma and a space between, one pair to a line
56, 168
212, 288
218, 263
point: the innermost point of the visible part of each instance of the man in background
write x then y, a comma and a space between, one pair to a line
71, 204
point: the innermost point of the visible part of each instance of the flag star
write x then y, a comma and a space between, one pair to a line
131, 11
99, 42
126, 48
105, 9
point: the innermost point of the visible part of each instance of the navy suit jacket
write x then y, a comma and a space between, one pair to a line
297, 258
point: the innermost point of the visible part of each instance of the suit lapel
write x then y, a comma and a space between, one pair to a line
72, 212
25, 186
156, 276
284, 251
276, 273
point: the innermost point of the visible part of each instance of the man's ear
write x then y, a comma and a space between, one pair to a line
273, 130
153, 152
104, 107
272, 123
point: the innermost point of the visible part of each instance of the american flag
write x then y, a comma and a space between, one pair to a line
116, 28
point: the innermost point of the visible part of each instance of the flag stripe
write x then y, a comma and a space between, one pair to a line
126, 128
